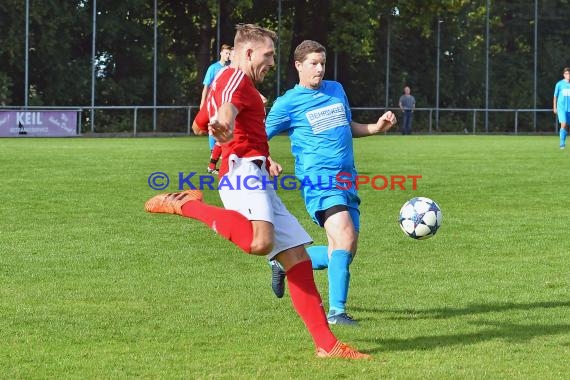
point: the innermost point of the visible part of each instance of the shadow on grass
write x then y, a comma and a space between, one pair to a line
490, 330
451, 312
511, 332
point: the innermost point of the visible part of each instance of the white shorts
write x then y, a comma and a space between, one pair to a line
247, 189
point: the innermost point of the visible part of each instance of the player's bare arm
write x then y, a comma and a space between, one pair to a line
384, 123
204, 95
197, 131
222, 126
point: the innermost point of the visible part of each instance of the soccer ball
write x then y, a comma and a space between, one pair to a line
420, 218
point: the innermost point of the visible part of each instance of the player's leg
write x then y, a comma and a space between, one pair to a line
563, 119
246, 219
319, 255
308, 304
319, 260
211, 144
252, 237
289, 251
214, 158
320, 206
342, 233
252, 200
305, 296
343, 238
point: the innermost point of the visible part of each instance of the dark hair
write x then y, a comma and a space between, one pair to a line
307, 47
565, 69
250, 32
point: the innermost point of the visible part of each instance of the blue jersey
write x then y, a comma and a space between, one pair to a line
211, 73
562, 94
318, 125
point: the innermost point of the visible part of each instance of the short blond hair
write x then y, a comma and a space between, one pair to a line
249, 32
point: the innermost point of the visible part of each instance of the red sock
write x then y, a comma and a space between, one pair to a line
309, 305
215, 156
229, 223
216, 153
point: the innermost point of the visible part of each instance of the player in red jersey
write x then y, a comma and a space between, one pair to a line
254, 218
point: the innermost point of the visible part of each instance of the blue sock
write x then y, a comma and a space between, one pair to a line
339, 278
319, 255
563, 134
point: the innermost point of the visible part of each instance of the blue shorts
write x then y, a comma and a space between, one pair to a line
211, 141
563, 117
346, 198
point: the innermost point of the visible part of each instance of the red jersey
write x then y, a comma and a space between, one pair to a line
250, 139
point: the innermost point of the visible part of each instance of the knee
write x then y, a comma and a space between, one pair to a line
347, 241
351, 238
261, 246
263, 238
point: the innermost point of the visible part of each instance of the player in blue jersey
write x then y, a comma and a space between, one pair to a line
317, 117
561, 104
213, 70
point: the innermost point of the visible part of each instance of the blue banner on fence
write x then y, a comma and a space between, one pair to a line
38, 123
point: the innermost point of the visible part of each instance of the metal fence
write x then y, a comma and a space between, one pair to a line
471, 120
177, 120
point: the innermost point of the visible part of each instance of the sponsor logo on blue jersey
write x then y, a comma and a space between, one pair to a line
325, 118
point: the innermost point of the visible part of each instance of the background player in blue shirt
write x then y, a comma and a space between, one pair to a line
561, 104
317, 117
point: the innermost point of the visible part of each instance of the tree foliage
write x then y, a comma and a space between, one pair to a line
356, 34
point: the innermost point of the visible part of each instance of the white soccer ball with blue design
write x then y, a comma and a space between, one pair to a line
420, 218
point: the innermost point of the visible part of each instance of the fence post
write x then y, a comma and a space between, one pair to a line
135, 121
430, 113
188, 118
80, 115
516, 122
92, 119
474, 120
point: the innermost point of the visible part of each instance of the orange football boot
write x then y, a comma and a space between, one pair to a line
342, 350
171, 203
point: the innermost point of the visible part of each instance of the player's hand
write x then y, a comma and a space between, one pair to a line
275, 168
222, 133
386, 121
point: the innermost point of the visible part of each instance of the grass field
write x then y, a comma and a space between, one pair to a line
91, 286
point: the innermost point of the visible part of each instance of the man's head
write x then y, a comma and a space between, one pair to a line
310, 60
254, 50
566, 73
407, 90
225, 53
